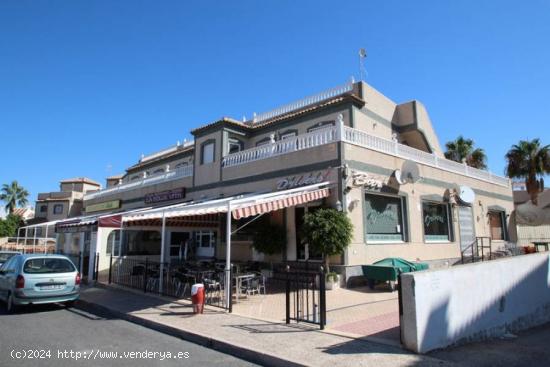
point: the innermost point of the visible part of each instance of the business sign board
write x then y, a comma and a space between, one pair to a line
108, 205
302, 180
168, 195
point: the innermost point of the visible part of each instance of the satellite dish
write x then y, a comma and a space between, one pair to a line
410, 173
466, 195
399, 177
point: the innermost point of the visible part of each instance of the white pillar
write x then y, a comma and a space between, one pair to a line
228, 257
46, 239
25, 242
34, 241
162, 242
17, 239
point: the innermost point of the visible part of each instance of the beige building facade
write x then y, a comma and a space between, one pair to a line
381, 160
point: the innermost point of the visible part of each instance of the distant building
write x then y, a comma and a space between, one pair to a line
25, 213
65, 203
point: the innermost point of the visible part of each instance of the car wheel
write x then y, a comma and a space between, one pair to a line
10, 305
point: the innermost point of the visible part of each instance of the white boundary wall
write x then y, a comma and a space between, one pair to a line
474, 301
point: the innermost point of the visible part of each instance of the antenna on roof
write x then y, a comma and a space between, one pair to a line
362, 57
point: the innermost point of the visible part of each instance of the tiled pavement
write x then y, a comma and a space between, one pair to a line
357, 311
263, 342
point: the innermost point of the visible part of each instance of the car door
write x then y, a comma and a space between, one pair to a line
8, 268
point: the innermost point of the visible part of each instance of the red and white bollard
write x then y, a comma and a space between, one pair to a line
197, 297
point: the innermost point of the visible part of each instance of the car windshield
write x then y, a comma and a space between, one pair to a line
5, 256
48, 266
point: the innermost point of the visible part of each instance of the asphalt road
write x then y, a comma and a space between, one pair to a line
49, 333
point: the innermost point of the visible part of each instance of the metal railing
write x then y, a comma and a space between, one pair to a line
479, 246
164, 151
304, 102
180, 172
176, 281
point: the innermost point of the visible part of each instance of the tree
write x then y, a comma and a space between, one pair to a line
529, 160
13, 195
269, 239
461, 150
328, 232
9, 225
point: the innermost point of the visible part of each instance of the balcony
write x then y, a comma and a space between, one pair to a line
182, 172
362, 139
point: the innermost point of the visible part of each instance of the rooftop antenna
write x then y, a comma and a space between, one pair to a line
362, 57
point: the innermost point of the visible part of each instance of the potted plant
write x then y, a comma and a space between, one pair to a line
329, 232
332, 280
269, 239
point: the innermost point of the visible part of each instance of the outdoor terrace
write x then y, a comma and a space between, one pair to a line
180, 172
360, 138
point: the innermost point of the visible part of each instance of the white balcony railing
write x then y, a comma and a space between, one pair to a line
181, 172
304, 102
362, 139
285, 146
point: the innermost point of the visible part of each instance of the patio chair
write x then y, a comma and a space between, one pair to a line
261, 284
250, 286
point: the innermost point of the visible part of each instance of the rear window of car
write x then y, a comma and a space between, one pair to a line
5, 257
48, 266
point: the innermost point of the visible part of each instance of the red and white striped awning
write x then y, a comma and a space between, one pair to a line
277, 203
241, 207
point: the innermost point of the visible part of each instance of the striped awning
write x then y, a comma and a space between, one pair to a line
209, 221
242, 207
277, 203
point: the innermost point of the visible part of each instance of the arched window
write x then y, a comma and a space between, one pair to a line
157, 171
113, 243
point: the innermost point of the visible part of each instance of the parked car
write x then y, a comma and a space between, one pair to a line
6, 255
37, 279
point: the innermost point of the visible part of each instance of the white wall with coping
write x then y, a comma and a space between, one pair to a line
475, 301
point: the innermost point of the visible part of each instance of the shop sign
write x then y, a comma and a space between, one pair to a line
168, 195
108, 205
302, 180
363, 179
76, 229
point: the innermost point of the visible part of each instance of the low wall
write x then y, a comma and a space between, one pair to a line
473, 302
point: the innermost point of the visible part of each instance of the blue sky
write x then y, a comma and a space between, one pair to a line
87, 86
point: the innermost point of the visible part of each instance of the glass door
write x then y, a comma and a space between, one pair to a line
205, 243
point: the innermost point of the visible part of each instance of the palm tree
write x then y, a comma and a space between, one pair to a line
462, 150
529, 160
13, 195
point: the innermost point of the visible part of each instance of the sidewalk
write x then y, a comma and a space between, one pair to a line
262, 342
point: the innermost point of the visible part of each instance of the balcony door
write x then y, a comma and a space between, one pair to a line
205, 242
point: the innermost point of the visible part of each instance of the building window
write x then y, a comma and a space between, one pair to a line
288, 134
113, 243
58, 209
182, 164
320, 125
134, 178
157, 171
207, 152
384, 218
496, 223
437, 226
205, 238
234, 145
264, 141
141, 243
43, 208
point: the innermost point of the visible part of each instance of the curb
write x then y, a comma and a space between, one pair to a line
249, 355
